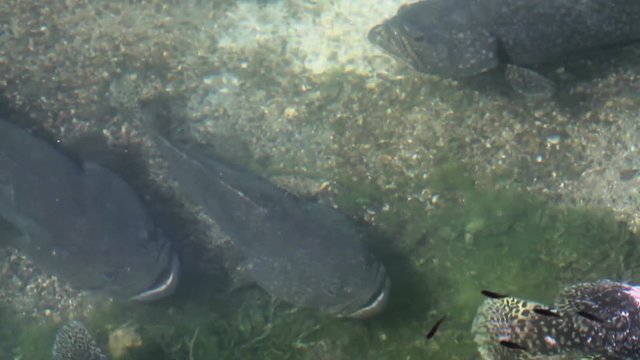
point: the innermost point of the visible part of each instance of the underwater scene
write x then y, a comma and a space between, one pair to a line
320, 180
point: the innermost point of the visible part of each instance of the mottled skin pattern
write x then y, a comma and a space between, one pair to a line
300, 251
614, 334
458, 38
74, 342
618, 305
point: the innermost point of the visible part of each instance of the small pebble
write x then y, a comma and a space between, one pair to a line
628, 174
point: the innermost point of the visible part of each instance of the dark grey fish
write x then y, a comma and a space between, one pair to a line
74, 342
302, 252
571, 335
81, 221
459, 38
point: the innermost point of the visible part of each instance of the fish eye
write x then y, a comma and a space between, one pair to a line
336, 285
110, 275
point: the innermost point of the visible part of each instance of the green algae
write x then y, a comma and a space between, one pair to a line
439, 259
23, 338
7, 332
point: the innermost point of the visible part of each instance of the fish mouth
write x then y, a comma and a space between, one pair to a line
164, 285
394, 41
376, 303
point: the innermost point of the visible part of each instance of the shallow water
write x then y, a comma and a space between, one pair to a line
507, 242
463, 187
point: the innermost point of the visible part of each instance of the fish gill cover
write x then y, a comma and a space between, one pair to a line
81, 221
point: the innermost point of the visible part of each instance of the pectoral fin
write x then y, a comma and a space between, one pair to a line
529, 83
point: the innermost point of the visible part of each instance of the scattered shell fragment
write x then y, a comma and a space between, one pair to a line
122, 339
628, 174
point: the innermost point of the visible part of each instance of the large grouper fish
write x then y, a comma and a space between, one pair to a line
592, 320
300, 251
461, 38
80, 221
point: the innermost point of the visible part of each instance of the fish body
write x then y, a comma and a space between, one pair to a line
460, 38
81, 221
74, 342
299, 251
597, 320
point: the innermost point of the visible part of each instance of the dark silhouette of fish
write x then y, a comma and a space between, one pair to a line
81, 221
460, 38
511, 345
302, 252
431, 333
546, 312
493, 295
573, 335
589, 316
74, 342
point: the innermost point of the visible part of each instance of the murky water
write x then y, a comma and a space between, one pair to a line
460, 186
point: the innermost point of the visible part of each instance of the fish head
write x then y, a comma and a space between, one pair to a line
144, 272
378, 287
319, 262
336, 272
80, 221
433, 45
364, 289
115, 244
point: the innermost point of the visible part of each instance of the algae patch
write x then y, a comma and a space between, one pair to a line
475, 238
439, 256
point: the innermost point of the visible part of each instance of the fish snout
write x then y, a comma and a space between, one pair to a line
376, 34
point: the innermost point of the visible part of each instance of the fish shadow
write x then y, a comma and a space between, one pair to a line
410, 294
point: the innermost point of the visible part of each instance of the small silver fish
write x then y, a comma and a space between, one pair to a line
596, 320
461, 38
299, 251
74, 342
81, 221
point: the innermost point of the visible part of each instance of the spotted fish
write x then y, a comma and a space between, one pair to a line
460, 38
597, 320
299, 251
74, 342
81, 221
